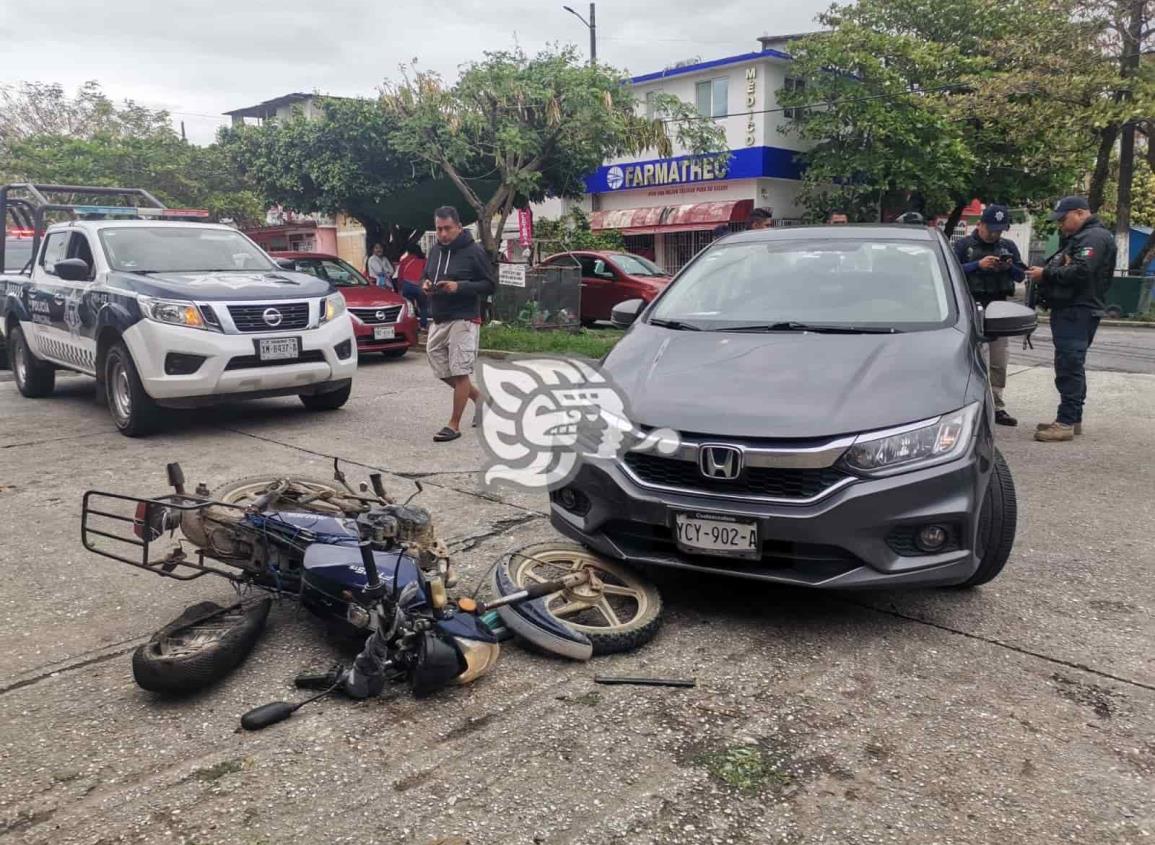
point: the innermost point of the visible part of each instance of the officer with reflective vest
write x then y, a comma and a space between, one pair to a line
992, 265
1074, 285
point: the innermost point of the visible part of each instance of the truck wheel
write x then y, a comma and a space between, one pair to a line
133, 410
34, 378
330, 401
997, 522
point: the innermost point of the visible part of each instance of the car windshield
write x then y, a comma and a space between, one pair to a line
635, 265
180, 249
331, 270
796, 284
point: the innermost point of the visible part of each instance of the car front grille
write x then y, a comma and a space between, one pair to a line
252, 318
766, 482
251, 362
377, 316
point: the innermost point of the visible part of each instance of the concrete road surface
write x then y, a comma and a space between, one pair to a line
1021, 712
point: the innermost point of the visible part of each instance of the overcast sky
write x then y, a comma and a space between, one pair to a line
199, 58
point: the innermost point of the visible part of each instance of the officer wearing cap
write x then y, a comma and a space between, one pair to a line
1073, 285
992, 264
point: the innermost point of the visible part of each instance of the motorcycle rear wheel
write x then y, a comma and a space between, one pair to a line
626, 615
203, 527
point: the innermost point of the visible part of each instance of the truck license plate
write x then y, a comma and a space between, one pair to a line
278, 348
384, 332
716, 534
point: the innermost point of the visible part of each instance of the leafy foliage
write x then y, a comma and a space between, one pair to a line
46, 136
940, 101
537, 125
571, 232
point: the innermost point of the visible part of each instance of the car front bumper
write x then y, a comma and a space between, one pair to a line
227, 366
851, 538
405, 336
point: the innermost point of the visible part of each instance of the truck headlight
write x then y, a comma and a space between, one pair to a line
913, 447
334, 307
172, 312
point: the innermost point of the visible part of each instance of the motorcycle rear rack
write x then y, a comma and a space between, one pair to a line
176, 563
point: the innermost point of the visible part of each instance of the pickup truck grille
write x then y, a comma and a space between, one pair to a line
377, 316
252, 318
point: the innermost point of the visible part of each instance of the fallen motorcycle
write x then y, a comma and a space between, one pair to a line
373, 568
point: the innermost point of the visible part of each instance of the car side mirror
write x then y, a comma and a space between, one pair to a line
625, 313
72, 269
285, 263
1008, 319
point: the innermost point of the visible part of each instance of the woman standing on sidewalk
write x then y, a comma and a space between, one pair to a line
409, 274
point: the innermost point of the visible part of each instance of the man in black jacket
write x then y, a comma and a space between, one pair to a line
1073, 285
458, 276
993, 265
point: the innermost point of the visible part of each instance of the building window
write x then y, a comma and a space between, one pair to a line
713, 96
794, 85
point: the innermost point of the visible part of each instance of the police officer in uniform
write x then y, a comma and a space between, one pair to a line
1073, 285
992, 264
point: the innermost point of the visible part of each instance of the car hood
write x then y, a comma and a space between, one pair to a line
789, 384
227, 285
368, 296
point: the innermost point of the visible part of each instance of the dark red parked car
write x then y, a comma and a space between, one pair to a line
383, 320
612, 277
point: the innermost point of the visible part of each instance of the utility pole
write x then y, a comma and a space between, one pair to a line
1130, 68
592, 26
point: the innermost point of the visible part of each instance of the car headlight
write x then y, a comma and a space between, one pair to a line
409, 309
334, 307
913, 447
174, 313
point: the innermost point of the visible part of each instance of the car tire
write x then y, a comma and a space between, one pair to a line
998, 520
134, 412
330, 401
393, 354
34, 378
183, 658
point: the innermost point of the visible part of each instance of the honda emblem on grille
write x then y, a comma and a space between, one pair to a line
272, 317
721, 462
380, 316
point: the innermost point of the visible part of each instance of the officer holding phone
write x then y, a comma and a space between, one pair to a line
992, 265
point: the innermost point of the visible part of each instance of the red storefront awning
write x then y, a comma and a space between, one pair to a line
672, 218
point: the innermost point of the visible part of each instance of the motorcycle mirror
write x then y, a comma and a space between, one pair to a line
267, 714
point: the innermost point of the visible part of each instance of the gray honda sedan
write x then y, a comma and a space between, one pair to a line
834, 417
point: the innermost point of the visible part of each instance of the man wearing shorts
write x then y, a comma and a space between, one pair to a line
458, 276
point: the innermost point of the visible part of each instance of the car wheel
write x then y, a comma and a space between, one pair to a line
34, 378
133, 410
330, 401
997, 523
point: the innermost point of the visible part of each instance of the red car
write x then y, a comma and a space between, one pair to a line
383, 320
612, 277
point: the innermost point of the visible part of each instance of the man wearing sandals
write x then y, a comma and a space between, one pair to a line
458, 276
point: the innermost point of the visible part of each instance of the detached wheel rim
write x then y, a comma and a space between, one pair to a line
119, 391
297, 489
618, 603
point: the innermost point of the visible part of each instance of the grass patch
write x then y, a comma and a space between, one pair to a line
746, 768
591, 343
212, 773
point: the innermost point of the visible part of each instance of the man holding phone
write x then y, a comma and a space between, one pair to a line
992, 265
458, 276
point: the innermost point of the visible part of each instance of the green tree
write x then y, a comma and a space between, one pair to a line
941, 101
32, 109
340, 162
572, 232
515, 129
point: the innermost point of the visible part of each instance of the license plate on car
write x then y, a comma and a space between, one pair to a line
278, 348
384, 332
717, 534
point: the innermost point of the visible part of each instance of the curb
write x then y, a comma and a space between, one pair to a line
1121, 324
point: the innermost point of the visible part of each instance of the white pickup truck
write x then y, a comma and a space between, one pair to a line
164, 314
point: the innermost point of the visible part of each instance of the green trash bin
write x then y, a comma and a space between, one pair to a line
1129, 296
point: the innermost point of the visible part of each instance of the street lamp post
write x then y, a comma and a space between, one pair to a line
592, 26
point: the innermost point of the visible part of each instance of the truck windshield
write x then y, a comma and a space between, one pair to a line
17, 253
180, 249
853, 284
